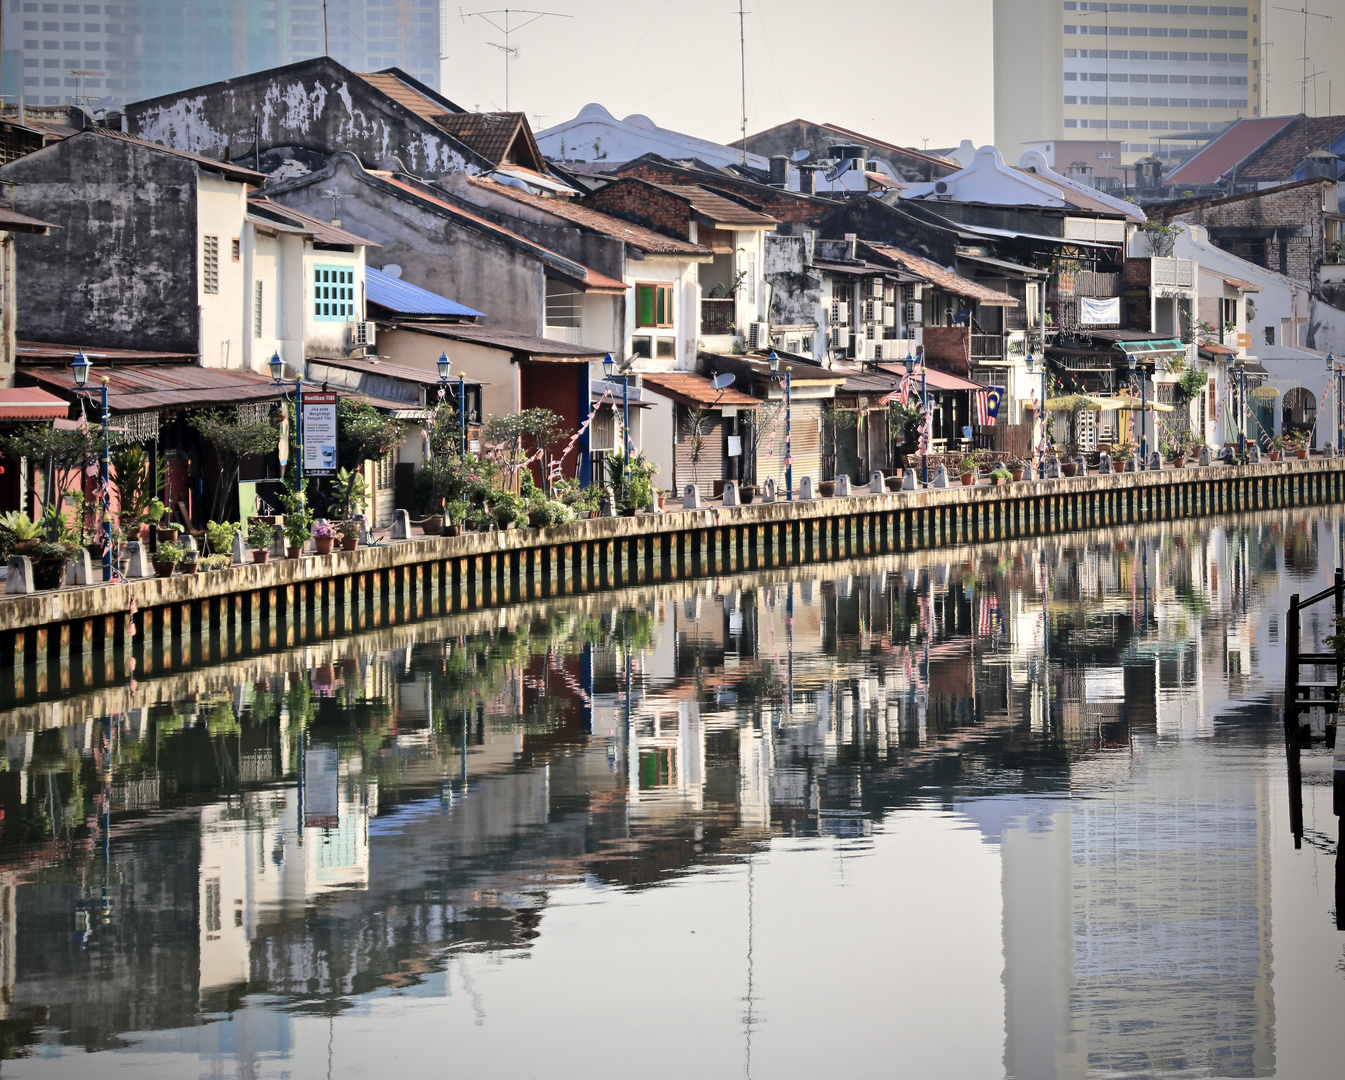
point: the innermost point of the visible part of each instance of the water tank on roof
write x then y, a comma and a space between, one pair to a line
1320, 163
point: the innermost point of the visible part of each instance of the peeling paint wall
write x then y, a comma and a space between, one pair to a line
121, 271
796, 289
319, 107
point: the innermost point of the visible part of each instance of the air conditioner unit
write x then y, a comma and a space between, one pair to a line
362, 335
757, 334
873, 311
840, 312
889, 315
840, 337
859, 349
876, 288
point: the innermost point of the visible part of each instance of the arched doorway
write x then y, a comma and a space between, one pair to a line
1300, 412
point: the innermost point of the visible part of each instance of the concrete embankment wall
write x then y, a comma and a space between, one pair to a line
82, 638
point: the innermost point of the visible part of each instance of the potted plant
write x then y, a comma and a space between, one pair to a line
218, 561
190, 560
1175, 453
349, 531
748, 492
324, 536
298, 524
259, 538
1121, 452
49, 553
456, 513
967, 468
1017, 467
826, 489
508, 511
220, 536
1276, 447
1301, 445
166, 559
1000, 475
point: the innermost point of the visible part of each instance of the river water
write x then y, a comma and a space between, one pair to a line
1014, 810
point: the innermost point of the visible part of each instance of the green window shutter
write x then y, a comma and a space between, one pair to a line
644, 305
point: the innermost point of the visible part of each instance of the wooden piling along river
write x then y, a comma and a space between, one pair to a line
84, 637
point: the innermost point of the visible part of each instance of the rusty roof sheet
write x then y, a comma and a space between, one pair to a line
370, 365
696, 390
944, 279
10, 221
1224, 153
43, 352
533, 347
31, 403
936, 379
139, 388
636, 235
718, 209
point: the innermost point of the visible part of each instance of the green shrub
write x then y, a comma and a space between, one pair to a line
259, 533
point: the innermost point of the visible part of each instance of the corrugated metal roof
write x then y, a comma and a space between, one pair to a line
31, 403
696, 390
137, 388
406, 299
534, 347
369, 365
718, 209
1244, 138
936, 379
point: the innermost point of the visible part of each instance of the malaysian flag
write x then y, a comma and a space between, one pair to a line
987, 406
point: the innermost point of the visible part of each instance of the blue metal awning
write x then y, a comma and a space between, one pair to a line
406, 299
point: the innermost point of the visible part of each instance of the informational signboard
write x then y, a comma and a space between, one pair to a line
319, 434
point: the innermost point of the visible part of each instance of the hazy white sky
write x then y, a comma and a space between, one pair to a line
901, 70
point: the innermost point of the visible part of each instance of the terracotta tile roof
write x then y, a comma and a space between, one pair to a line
597, 282
10, 221
402, 93
1281, 157
1236, 143
320, 230
695, 390
635, 235
493, 135
718, 209
944, 279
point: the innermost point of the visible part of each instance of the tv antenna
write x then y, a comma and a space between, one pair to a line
336, 197
508, 29
742, 69
1303, 105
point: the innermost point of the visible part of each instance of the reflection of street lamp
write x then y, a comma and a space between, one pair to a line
776, 374
79, 368
1031, 366
911, 361
443, 364
277, 367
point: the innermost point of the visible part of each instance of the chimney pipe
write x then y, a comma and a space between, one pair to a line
779, 170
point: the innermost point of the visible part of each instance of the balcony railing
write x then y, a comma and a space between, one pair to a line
986, 347
571, 335
717, 315
1177, 273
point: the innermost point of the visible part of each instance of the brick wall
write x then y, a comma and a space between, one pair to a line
642, 203
1279, 229
946, 347
779, 205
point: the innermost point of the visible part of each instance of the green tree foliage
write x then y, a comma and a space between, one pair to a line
233, 439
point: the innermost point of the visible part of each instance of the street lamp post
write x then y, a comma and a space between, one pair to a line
1335, 370
277, 367
611, 374
1031, 365
1133, 364
444, 363
778, 375
80, 369
1240, 366
911, 362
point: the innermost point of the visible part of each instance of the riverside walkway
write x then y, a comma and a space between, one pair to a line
86, 636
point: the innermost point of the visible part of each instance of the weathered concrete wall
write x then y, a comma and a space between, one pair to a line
434, 249
803, 135
316, 105
122, 268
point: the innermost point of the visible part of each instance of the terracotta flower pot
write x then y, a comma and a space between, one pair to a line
349, 543
1302, 453
323, 544
1274, 455
433, 525
452, 530
968, 479
1179, 461
1069, 468
163, 569
1017, 474
826, 489
1119, 465
259, 555
294, 552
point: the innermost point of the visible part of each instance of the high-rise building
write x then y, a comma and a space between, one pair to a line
108, 54
1135, 73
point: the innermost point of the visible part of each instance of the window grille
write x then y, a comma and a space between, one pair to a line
210, 272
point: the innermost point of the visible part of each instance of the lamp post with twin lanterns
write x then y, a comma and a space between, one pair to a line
1133, 363
1031, 363
79, 368
774, 361
1335, 369
444, 363
1240, 366
918, 357
611, 375
277, 367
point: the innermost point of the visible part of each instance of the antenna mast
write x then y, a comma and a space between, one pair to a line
508, 29
326, 47
1303, 92
742, 68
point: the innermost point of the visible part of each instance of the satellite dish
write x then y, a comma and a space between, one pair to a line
801, 155
393, 270
721, 382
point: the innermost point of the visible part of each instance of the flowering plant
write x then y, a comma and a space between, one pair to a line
324, 530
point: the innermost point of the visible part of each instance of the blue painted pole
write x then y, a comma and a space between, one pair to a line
107, 497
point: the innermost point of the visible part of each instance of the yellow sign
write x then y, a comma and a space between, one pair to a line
1244, 341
